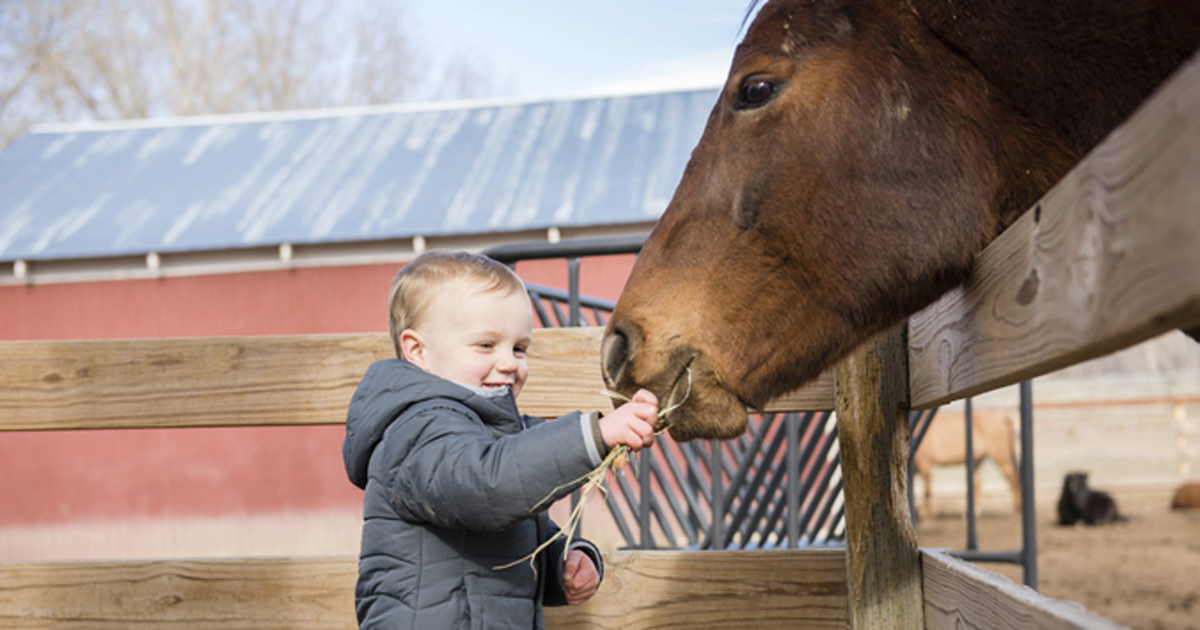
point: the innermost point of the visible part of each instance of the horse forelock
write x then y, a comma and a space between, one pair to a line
746, 17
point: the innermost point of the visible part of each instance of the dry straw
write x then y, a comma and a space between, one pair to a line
616, 460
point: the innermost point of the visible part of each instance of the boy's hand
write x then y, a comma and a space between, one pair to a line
631, 424
580, 578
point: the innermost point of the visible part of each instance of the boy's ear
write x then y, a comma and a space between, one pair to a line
412, 344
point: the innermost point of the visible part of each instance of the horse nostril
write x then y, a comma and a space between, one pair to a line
616, 351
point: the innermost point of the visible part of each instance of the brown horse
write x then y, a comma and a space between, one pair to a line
861, 153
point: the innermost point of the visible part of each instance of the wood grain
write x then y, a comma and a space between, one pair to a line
255, 381
154, 383
959, 595
249, 593
784, 589
715, 589
872, 414
1108, 258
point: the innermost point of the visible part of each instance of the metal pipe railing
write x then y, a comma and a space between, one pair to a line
576, 248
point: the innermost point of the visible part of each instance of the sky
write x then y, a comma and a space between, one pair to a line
555, 48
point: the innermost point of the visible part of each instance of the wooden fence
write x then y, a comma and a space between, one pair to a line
254, 381
1107, 259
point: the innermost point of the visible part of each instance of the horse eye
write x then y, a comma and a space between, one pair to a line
755, 93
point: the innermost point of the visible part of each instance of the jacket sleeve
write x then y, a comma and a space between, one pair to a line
553, 560
444, 467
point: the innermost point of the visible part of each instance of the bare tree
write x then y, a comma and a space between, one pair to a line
461, 78
70, 61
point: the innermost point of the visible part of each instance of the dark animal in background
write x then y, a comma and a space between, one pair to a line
1079, 503
1187, 497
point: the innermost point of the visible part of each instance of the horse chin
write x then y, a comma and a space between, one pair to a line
709, 411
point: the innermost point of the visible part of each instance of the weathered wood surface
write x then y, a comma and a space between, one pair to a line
884, 570
715, 589
959, 594
255, 381
153, 383
784, 589
249, 593
1108, 258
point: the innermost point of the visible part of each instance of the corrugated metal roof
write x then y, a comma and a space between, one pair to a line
343, 175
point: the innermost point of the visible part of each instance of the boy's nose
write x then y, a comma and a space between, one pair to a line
506, 364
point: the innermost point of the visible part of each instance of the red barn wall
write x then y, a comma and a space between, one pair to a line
82, 476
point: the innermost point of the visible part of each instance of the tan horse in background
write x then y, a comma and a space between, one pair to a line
945, 444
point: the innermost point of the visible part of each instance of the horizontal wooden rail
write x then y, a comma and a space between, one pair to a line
1108, 258
758, 589
785, 589
959, 594
249, 593
256, 381
155, 383
803, 588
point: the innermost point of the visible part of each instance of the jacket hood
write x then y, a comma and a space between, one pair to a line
389, 388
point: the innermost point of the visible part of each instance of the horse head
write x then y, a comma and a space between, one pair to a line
852, 167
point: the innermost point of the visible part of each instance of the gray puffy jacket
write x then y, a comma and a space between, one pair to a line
452, 483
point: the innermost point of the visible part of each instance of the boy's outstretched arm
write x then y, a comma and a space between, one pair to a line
631, 424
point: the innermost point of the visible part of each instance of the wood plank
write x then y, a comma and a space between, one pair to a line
785, 589
715, 589
884, 571
959, 594
816, 395
155, 383
249, 593
1108, 258
564, 373
252, 381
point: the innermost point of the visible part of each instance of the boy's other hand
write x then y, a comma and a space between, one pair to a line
631, 424
580, 578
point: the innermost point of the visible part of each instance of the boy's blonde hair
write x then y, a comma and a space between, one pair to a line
419, 281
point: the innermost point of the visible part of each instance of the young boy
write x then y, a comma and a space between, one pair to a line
453, 475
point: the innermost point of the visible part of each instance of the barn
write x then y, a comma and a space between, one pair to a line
280, 223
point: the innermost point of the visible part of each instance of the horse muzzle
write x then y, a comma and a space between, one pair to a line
695, 403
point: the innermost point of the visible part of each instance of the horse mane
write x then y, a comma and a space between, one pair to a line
746, 18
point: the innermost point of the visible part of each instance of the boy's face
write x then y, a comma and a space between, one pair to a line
473, 336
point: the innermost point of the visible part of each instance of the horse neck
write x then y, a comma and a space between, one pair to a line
1079, 67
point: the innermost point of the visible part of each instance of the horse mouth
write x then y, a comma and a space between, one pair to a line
693, 402
699, 406
679, 394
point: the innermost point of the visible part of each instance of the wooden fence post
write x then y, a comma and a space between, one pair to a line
883, 562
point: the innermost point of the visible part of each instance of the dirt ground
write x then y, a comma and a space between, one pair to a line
1144, 573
